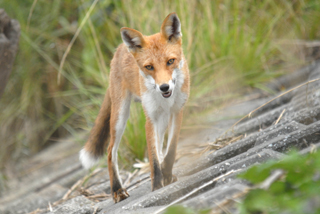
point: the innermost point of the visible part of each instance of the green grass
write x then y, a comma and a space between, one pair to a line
228, 44
135, 143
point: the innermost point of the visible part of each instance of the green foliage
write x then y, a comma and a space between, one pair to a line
178, 209
134, 136
293, 192
184, 210
227, 44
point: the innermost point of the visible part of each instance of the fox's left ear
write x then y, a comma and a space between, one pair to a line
171, 28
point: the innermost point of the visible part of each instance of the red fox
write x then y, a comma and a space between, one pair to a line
153, 69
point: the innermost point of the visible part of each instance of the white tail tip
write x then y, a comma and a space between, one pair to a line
87, 159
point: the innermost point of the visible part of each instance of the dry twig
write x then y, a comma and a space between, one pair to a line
130, 177
38, 211
99, 196
50, 207
79, 183
279, 118
85, 192
139, 183
95, 210
220, 143
144, 166
90, 195
275, 175
76, 185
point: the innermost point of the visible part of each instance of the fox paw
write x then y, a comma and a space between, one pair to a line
170, 179
157, 186
120, 195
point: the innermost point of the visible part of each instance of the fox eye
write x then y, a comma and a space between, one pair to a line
149, 67
170, 61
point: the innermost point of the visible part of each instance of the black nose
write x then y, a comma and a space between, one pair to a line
164, 87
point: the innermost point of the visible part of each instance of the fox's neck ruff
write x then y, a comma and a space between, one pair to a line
153, 101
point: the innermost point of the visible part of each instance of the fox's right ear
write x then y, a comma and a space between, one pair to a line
133, 39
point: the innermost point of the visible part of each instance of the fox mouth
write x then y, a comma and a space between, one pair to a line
167, 94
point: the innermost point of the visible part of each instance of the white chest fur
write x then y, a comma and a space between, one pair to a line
160, 109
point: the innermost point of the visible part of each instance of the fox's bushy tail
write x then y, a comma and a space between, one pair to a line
98, 140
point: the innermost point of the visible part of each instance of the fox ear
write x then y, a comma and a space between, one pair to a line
171, 28
133, 39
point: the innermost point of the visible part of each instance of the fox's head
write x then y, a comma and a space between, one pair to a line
158, 56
